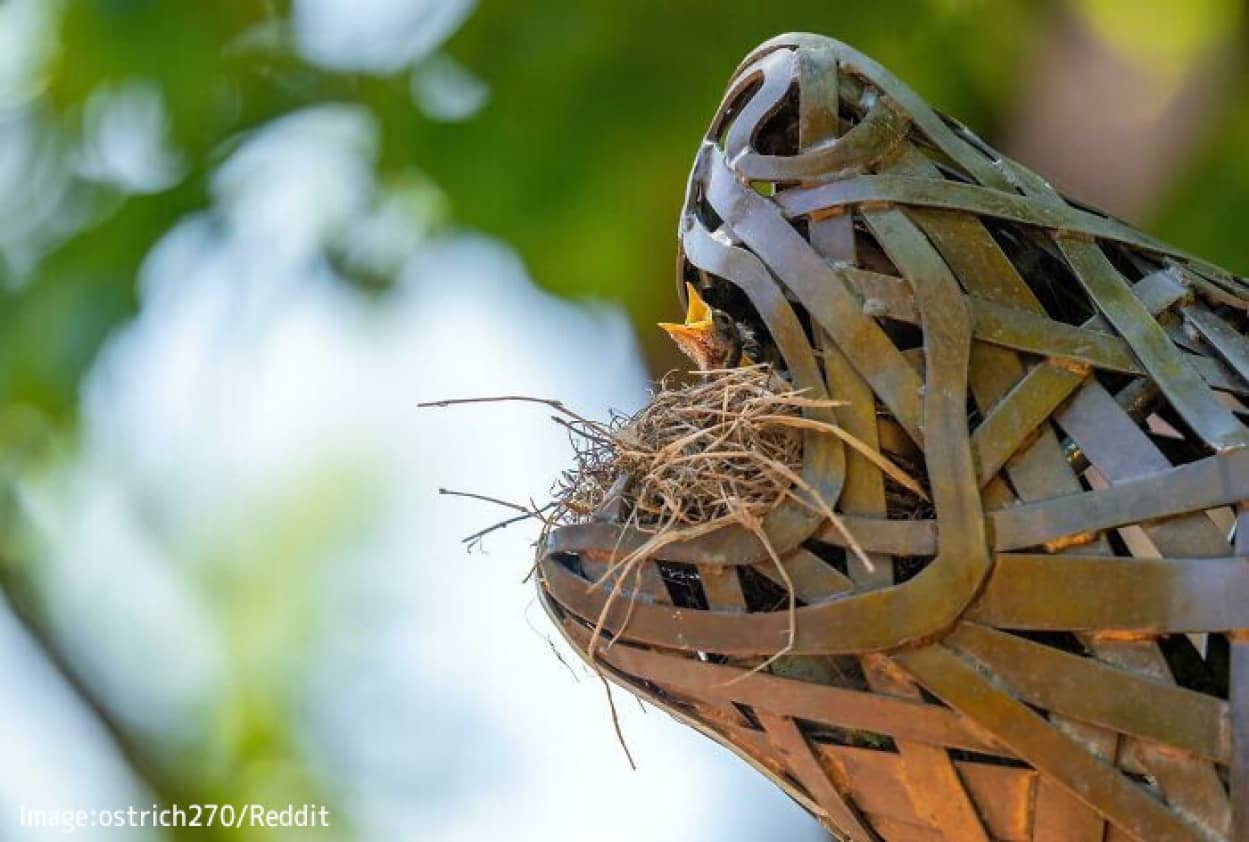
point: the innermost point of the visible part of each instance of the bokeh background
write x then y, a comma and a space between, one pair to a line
240, 240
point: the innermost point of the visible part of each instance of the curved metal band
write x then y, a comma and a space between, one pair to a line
883, 127
972, 198
973, 158
777, 72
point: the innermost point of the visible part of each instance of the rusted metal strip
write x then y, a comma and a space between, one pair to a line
990, 169
981, 266
962, 686
1219, 376
819, 97
897, 831
1181, 384
1157, 596
936, 791
890, 537
1008, 327
610, 542
933, 787
1239, 701
952, 195
851, 709
848, 624
819, 120
755, 748
931, 124
813, 579
1005, 796
805, 766
1018, 329
881, 130
722, 588
823, 154
1016, 417
1090, 691
1232, 290
1038, 471
888, 295
962, 544
1108, 437
1158, 291
1014, 403
1204, 484
775, 73
1112, 442
874, 778
864, 489
877, 782
1058, 816
1190, 785
1217, 292
971, 252
1226, 341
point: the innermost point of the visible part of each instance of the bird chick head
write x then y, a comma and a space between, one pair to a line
708, 336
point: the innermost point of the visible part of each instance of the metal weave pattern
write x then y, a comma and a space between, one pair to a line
1054, 650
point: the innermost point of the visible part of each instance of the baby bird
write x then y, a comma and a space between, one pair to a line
709, 337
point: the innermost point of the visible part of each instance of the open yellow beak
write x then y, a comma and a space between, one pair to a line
698, 322
696, 310
685, 335
694, 336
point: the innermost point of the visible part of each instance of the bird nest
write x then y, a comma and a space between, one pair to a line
696, 457
723, 449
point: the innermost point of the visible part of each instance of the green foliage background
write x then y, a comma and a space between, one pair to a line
578, 160
579, 157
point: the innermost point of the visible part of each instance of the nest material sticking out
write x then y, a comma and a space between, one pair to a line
698, 453
724, 449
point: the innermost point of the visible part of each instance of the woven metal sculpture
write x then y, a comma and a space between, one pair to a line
1053, 650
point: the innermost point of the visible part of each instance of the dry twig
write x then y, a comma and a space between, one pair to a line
724, 449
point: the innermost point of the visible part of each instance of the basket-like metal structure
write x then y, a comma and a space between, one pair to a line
1054, 650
